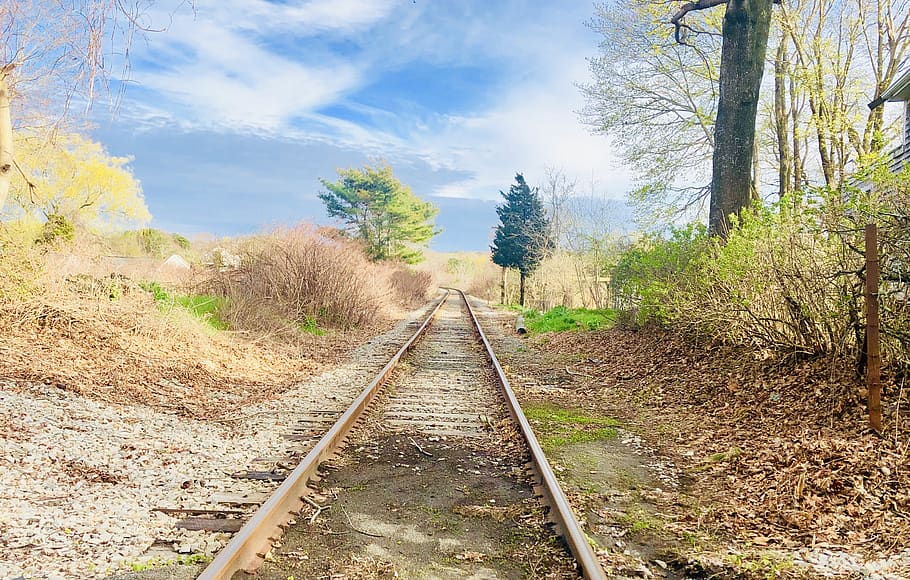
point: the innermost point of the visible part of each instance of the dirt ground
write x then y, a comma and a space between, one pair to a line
393, 511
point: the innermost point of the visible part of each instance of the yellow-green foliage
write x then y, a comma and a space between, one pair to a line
790, 275
74, 177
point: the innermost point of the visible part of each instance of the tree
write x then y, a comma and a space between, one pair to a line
522, 238
52, 51
657, 100
385, 215
75, 179
746, 26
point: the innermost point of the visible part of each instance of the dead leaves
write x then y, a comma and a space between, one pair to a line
780, 448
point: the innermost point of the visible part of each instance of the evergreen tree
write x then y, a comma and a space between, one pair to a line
522, 237
392, 222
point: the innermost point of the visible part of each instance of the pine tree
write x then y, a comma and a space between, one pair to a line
393, 223
522, 237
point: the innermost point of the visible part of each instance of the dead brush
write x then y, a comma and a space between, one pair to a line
410, 286
300, 278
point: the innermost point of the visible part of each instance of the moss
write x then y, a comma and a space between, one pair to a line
557, 427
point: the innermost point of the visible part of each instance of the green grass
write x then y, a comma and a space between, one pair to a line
561, 319
205, 308
309, 326
557, 427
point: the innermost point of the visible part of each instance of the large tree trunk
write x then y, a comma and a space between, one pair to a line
745, 30
6, 139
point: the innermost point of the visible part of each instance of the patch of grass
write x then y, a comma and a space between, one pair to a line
557, 427
639, 521
764, 564
561, 319
309, 326
181, 560
205, 308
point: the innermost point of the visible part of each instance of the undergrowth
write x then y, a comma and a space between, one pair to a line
561, 319
206, 308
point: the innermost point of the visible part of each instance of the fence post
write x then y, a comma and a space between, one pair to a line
873, 352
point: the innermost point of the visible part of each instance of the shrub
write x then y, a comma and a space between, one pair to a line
648, 275
290, 279
57, 229
411, 286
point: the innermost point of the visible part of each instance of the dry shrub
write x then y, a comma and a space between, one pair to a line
299, 277
410, 286
102, 336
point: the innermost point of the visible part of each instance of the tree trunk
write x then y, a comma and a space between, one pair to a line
6, 139
782, 118
521, 289
745, 30
503, 285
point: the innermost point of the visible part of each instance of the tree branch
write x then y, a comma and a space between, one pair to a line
685, 9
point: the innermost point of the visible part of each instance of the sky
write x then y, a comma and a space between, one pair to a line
235, 112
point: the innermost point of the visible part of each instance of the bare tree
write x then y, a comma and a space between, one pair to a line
64, 49
556, 192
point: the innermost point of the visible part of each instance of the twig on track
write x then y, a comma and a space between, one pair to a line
355, 528
319, 508
419, 448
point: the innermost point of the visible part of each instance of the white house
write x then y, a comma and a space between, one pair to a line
899, 91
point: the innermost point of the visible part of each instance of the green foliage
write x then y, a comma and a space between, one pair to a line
557, 427
206, 308
310, 326
650, 271
561, 319
75, 177
522, 238
392, 222
181, 241
57, 229
152, 241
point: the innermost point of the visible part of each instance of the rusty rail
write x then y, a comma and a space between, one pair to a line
560, 511
252, 542
250, 545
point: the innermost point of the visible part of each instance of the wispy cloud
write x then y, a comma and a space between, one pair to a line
473, 91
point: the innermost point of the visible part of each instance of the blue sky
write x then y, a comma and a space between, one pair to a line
234, 113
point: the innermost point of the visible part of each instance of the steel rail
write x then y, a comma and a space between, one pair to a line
251, 543
560, 511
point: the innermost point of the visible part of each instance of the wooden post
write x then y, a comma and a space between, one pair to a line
873, 353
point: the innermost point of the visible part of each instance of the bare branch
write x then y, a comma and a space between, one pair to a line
685, 9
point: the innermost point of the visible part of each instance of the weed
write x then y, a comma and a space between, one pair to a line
639, 521
768, 565
205, 308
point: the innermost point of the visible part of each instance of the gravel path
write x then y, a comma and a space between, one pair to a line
79, 480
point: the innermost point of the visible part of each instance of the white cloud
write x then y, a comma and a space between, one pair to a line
224, 72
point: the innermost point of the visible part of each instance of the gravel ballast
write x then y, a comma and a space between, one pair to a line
79, 479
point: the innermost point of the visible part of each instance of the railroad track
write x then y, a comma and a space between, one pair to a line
422, 423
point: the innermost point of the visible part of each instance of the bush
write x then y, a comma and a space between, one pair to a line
57, 229
290, 279
411, 286
152, 242
648, 275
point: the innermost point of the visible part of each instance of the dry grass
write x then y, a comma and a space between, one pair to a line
67, 321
